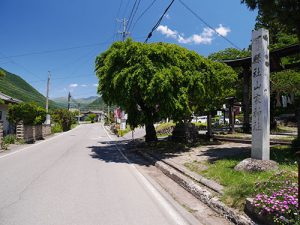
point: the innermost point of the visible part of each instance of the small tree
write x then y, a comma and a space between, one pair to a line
91, 117
29, 113
64, 118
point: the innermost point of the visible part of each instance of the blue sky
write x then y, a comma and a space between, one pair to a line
65, 36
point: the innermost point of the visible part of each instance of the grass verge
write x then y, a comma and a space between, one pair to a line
240, 185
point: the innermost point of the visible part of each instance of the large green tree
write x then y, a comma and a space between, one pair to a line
285, 12
154, 81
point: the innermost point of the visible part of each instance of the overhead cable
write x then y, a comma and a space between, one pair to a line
207, 24
158, 22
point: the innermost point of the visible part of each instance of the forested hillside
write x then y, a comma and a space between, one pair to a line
16, 87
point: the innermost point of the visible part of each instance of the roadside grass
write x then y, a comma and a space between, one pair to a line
248, 136
121, 133
240, 185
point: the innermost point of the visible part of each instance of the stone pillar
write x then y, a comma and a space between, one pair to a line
260, 95
1, 132
20, 130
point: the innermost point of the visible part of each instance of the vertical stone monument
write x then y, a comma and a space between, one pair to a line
260, 95
260, 152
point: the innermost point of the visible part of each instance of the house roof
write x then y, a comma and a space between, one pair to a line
9, 99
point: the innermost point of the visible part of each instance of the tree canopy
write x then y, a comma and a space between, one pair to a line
287, 13
29, 113
159, 80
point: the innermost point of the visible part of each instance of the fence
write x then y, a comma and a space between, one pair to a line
32, 133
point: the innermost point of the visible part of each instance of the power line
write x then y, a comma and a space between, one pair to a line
18, 64
158, 22
55, 50
207, 24
143, 13
117, 15
134, 13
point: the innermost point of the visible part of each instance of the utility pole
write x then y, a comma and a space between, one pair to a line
47, 93
78, 113
48, 121
124, 32
69, 98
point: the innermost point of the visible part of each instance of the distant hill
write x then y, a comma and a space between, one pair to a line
97, 104
16, 87
84, 102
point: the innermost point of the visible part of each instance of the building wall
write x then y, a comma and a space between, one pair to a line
3, 111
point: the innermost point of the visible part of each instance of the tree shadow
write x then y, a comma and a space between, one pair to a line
111, 152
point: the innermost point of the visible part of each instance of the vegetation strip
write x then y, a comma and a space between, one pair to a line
200, 193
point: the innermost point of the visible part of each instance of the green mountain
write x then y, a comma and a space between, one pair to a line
84, 102
97, 104
16, 87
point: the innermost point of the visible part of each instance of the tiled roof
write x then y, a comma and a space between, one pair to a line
8, 98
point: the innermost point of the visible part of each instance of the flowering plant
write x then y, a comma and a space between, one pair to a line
278, 199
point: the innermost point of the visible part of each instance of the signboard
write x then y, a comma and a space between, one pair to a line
260, 95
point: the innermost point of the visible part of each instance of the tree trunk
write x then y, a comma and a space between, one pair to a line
246, 100
150, 133
273, 123
209, 128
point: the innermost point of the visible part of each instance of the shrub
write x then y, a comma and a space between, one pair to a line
56, 128
278, 199
64, 118
29, 113
9, 139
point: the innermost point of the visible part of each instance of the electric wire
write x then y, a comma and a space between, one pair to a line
159, 21
55, 50
133, 15
207, 24
143, 13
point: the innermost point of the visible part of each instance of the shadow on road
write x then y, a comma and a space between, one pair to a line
109, 153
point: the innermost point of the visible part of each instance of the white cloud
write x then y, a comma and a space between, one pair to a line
95, 85
223, 30
168, 16
205, 37
168, 32
73, 85
83, 85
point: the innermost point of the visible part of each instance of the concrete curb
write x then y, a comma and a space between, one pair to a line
200, 193
196, 177
248, 141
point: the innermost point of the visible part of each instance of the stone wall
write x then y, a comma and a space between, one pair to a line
1, 132
32, 133
46, 130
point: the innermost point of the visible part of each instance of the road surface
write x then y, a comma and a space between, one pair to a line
79, 178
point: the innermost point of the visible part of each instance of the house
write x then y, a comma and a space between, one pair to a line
99, 115
5, 100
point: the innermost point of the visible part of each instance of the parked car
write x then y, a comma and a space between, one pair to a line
199, 119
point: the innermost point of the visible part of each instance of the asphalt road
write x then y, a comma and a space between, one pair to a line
79, 178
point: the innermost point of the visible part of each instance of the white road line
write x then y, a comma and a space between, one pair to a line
165, 204
31, 146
